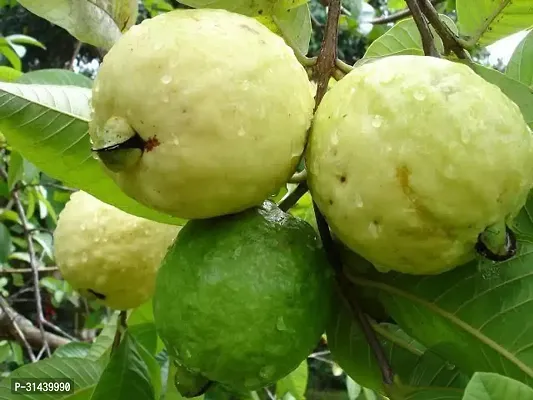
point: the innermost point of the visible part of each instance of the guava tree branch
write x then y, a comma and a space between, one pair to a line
450, 41
325, 67
428, 43
14, 326
397, 15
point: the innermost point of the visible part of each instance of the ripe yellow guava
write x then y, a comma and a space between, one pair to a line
200, 113
241, 300
107, 254
411, 158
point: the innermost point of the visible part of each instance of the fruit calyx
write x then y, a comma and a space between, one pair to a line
496, 244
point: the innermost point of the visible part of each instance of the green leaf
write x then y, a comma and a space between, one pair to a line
246, 7
516, 91
84, 374
126, 376
8, 74
153, 368
486, 21
146, 335
103, 342
25, 39
491, 386
97, 23
48, 125
476, 316
6, 49
73, 350
142, 314
404, 38
61, 77
156, 7
295, 27
5, 243
396, 4
294, 383
520, 65
414, 364
15, 170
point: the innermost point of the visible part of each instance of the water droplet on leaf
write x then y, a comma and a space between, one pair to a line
280, 325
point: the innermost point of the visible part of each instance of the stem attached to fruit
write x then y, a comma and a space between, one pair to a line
325, 67
292, 198
428, 43
121, 327
497, 243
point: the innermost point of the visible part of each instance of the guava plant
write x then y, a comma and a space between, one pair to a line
239, 202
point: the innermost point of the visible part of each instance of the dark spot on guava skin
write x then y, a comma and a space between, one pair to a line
342, 179
331, 202
97, 295
249, 29
151, 143
260, 12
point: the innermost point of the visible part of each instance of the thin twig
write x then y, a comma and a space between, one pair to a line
449, 39
33, 263
26, 270
74, 55
59, 330
121, 327
396, 16
5, 308
292, 198
428, 43
324, 69
346, 287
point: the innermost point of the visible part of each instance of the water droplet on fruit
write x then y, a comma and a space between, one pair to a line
267, 371
83, 227
358, 201
166, 99
84, 258
158, 46
96, 239
377, 121
374, 229
245, 85
419, 95
241, 132
176, 142
280, 325
465, 136
334, 139
166, 79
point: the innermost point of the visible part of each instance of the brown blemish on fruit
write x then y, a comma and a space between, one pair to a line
342, 179
151, 143
249, 29
97, 295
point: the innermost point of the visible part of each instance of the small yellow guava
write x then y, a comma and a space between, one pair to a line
200, 113
411, 158
107, 254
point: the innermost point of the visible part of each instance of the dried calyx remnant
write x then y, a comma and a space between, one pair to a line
497, 244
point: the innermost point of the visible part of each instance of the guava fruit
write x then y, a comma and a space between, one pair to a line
200, 113
109, 255
242, 299
412, 158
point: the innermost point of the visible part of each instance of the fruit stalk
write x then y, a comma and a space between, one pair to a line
324, 69
427, 37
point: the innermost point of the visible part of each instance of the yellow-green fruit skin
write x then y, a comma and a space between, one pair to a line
410, 158
222, 99
101, 249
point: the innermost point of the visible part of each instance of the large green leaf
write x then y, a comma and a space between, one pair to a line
126, 376
97, 22
73, 350
100, 347
486, 21
477, 316
54, 76
246, 7
520, 65
516, 91
6, 50
491, 386
295, 26
294, 383
404, 38
48, 125
414, 364
84, 374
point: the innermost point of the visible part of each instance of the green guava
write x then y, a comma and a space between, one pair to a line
200, 113
107, 254
411, 158
243, 299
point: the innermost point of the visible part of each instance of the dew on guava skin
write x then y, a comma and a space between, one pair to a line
359, 201
241, 132
280, 324
166, 79
176, 142
377, 121
374, 229
419, 95
165, 99
267, 371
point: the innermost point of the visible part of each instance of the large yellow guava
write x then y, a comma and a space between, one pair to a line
410, 158
107, 254
200, 113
